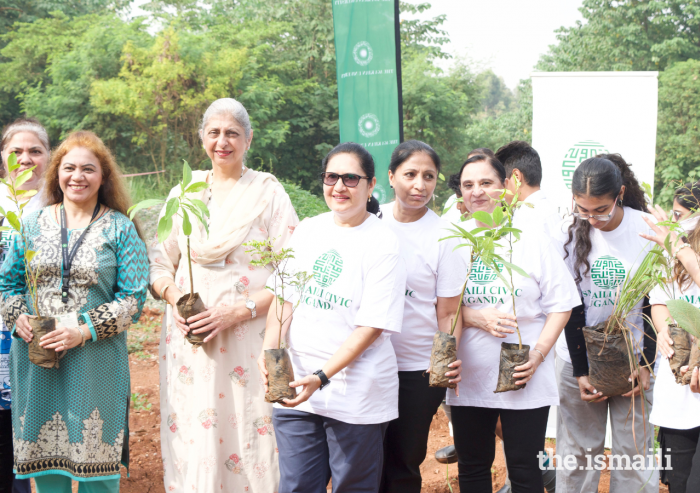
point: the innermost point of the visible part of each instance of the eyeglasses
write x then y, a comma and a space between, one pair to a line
597, 217
349, 179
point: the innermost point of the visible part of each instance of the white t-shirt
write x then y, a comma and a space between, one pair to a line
548, 289
35, 203
433, 270
675, 406
613, 255
452, 214
359, 281
544, 215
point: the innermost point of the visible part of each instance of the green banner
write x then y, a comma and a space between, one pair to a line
369, 80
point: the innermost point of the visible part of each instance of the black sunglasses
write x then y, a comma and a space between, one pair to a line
350, 180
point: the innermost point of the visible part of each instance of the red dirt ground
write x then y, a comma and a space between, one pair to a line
146, 471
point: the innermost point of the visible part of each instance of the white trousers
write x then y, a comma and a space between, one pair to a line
581, 434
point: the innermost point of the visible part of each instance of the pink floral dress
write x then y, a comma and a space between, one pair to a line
216, 429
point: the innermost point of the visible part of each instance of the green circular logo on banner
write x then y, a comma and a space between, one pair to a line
379, 193
362, 53
328, 268
607, 272
368, 125
577, 153
482, 274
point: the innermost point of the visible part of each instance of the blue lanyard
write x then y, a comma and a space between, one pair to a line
68, 257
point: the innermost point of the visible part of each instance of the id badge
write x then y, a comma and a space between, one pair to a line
67, 320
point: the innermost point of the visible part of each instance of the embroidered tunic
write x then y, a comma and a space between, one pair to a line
73, 420
216, 428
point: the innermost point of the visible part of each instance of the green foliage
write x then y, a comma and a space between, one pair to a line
678, 136
19, 198
140, 402
483, 242
276, 261
686, 315
305, 203
627, 35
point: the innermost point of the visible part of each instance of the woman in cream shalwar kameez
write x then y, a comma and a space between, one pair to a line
216, 429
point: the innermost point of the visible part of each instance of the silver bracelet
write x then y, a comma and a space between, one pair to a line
82, 334
540, 354
684, 245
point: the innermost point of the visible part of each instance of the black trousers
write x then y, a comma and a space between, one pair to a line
685, 459
6, 459
523, 439
406, 439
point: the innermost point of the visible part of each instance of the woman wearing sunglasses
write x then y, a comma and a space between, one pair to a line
601, 246
435, 277
339, 336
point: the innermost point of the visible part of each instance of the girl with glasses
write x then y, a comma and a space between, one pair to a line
601, 246
339, 337
435, 275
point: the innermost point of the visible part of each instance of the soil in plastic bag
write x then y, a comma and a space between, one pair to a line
187, 308
693, 361
279, 375
608, 361
681, 350
46, 358
444, 353
511, 357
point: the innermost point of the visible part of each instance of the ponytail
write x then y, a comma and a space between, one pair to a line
373, 205
601, 176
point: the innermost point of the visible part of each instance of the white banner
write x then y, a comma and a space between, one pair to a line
577, 115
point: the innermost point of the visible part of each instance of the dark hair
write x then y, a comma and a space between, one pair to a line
481, 150
600, 176
405, 150
520, 155
688, 196
492, 161
366, 163
454, 182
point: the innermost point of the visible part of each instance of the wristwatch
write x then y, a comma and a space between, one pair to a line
323, 377
250, 305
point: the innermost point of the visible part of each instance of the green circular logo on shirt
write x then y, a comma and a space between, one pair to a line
327, 268
607, 272
577, 153
482, 274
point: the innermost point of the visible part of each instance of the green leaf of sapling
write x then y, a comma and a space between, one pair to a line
483, 217
165, 226
186, 224
186, 174
12, 162
197, 187
687, 316
23, 177
142, 205
171, 208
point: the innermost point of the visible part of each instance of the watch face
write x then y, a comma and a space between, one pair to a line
250, 304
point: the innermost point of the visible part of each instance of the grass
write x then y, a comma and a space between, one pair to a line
140, 402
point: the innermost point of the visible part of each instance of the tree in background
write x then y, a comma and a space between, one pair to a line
661, 35
627, 35
678, 136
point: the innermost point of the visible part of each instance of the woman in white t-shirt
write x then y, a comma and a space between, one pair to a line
676, 408
543, 302
601, 245
435, 275
339, 336
29, 141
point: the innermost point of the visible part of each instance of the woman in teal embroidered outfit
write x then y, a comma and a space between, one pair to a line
72, 422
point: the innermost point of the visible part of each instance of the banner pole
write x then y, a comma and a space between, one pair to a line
397, 36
